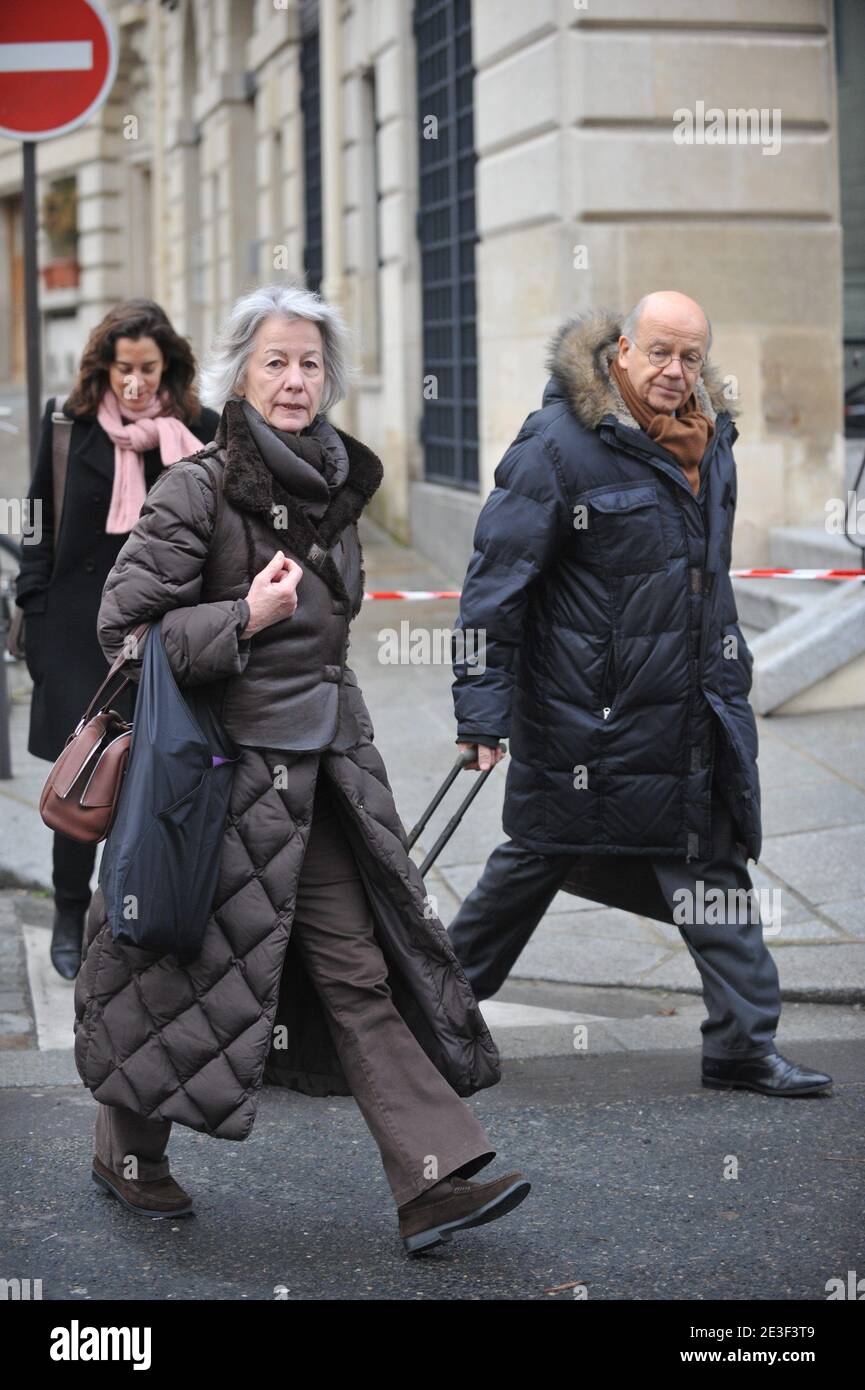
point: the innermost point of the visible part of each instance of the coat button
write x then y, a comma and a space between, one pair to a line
89, 565
96, 497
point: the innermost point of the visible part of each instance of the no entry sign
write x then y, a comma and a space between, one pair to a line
58, 60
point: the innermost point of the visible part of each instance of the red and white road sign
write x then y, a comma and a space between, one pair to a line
58, 61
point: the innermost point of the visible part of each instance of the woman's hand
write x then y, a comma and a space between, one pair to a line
484, 757
272, 594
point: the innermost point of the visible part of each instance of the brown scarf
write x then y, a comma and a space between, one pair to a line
311, 464
685, 434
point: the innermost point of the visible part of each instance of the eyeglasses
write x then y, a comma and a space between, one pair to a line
691, 361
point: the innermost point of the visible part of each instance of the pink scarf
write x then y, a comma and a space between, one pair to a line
133, 433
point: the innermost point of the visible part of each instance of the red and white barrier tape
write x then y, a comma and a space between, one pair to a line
414, 593
734, 574
797, 574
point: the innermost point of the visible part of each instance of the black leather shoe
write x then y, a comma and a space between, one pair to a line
772, 1075
66, 939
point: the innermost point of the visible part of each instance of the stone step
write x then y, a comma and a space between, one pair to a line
854, 449
810, 548
762, 603
814, 658
809, 652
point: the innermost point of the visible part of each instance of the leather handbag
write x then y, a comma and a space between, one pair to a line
82, 791
61, 439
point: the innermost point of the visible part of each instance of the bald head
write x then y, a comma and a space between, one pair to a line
672, 322
668, 308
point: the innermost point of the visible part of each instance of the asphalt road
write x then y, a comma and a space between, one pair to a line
626, 1153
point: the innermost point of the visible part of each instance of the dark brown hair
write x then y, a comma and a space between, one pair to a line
137, 318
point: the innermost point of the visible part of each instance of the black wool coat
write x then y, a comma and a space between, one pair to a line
61, 594
613, 656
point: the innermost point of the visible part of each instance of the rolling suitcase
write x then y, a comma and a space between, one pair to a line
466, 755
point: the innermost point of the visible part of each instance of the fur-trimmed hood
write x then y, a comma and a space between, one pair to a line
579, 359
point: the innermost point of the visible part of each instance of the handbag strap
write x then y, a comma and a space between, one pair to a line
213, 448
142, 627
115, 667
216, 473
61, 439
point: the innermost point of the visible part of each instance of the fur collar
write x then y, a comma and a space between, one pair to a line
249, 485
578, 360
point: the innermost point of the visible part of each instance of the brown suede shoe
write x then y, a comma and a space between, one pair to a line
456, 1203
159, 1197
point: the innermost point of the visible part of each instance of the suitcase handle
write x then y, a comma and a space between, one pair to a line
465, 755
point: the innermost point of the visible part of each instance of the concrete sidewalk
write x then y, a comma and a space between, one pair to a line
813, 776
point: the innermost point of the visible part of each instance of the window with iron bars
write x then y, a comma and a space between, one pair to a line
447, 236
310, 107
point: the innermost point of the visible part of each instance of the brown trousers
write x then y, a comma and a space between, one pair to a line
423, 1129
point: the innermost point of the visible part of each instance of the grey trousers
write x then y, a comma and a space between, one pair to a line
423, 1129
739, 977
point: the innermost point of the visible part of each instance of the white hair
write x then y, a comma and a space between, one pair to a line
224, 368
631, 322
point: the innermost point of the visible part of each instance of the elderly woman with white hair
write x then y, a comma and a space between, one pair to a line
323, 967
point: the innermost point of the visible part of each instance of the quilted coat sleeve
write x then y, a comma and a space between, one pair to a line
519, 531
158, 573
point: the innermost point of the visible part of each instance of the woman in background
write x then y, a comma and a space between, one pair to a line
136, 411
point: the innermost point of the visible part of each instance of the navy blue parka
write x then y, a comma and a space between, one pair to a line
599, 607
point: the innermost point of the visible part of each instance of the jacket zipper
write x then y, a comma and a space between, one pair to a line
679, 481
607, 700
703, 636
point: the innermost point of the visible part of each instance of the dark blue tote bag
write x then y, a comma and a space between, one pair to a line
160, 861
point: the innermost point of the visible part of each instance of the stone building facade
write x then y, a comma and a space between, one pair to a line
461, 175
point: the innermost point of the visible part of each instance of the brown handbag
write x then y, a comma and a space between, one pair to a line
82, 792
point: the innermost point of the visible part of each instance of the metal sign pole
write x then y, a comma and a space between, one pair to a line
69, 51
34, 409
31, 297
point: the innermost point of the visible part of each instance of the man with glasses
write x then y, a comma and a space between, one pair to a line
614, 663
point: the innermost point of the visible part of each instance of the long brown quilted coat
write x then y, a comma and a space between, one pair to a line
194, 1044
